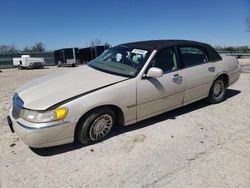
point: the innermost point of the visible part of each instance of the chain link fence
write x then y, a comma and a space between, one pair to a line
7, 62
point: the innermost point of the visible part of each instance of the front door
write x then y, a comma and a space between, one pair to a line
157, 95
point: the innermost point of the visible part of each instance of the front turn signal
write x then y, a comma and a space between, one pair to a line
61, 113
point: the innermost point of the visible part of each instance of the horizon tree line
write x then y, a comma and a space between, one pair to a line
41, 47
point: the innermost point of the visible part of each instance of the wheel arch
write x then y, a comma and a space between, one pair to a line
223, 76
119, 115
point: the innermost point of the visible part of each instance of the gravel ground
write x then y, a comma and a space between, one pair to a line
199, 145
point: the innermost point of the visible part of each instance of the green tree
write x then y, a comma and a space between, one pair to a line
38, 47
8, 49
244, 49
26, 49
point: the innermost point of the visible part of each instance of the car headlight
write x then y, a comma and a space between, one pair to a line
44, 116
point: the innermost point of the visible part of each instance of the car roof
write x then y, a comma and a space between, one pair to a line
159, 44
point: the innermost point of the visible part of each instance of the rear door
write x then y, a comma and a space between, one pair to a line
198, 71
157, 95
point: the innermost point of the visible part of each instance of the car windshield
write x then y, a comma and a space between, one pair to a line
121, 60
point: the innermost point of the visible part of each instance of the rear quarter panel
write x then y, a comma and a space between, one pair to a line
230, 66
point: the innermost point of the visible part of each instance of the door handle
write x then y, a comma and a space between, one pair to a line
211, 69
177, 79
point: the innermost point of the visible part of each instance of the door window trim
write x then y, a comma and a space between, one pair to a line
192, 46
178, 60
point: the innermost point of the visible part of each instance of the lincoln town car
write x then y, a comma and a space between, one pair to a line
124, 85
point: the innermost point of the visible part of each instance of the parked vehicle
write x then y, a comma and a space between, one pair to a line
67, 57
90, 53
126, 84
25, 61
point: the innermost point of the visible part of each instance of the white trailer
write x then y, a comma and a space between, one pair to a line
25, 61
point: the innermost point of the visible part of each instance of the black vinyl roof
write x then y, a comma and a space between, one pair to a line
160, 44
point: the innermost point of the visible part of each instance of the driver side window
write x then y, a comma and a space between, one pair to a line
166, 60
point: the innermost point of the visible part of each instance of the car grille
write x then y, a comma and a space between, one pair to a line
17, 106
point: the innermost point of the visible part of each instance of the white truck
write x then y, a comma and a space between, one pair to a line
25, 61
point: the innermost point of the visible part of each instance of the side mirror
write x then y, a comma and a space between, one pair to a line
154, 72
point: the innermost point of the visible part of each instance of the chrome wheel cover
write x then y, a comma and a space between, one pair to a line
218, 89
100, 127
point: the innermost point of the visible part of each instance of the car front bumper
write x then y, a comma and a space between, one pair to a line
51, 134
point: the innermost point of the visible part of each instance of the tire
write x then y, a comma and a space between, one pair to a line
217, 91
95, 126
20, 67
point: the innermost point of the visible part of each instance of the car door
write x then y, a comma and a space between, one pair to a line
198, 71
156, 95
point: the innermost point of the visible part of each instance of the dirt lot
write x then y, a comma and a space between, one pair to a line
199, 145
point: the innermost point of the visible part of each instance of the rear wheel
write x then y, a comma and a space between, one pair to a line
217, 91
95, 126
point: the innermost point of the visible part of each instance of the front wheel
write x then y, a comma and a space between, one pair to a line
95, 126
217, 91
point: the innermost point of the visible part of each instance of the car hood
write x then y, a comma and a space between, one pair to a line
46, 91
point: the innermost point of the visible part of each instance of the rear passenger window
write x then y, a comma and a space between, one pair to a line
193, 56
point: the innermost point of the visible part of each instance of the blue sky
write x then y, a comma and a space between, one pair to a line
69, 23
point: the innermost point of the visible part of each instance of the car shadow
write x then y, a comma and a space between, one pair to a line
120, 130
